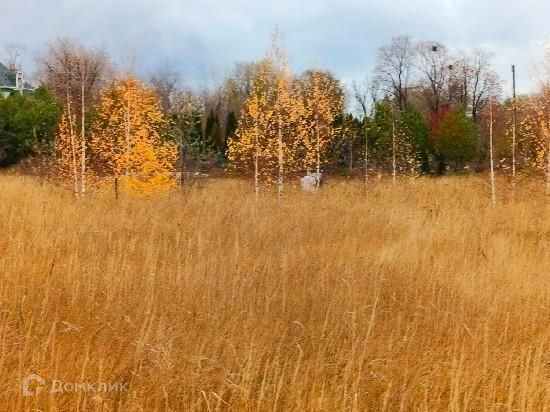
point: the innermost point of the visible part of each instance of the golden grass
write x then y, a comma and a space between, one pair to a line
417, 298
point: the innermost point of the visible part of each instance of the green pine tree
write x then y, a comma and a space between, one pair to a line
417, 129
458, 137
27, 123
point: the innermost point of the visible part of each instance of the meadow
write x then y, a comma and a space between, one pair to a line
414, 297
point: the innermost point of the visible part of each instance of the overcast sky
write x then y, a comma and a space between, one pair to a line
203, 38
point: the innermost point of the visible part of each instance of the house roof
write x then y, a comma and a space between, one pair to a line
7, 77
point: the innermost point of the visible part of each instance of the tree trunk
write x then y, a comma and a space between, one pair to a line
394, 160
83, 137
73, 143
491, 159
317, 183
514, 121
281, 159
548, 153
256, 176
127, 136
350, 158
366, 156
182, 164
548, 168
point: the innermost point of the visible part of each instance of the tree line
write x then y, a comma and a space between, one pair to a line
424, 110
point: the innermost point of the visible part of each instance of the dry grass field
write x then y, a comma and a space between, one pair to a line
420, 297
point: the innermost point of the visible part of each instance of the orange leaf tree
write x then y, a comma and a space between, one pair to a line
129, 138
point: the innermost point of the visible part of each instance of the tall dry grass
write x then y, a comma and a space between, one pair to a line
417, 298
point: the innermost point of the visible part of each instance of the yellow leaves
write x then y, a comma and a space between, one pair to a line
535, 131
287, 124
322, 102
127, 138
153, 175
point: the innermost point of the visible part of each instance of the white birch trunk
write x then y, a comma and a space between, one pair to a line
281, 158
127, 137
351, 158
366, 157
548, 154
394, 160
318, 154
73, 145
514, 147
548, 167
256, 176
491, 159
83, 138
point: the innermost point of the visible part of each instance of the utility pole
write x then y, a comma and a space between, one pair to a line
514, 127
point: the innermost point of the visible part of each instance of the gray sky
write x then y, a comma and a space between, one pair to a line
203, 38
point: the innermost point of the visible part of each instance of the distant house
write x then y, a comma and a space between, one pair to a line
12, 81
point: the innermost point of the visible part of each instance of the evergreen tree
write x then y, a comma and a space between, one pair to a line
458, 137
213, 141
26, 122
417, 129
230, 129
380, 134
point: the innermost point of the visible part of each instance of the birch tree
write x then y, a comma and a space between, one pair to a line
246, 151
323, 102
129, 139
267, 140
491, 155
535, 124
75, 75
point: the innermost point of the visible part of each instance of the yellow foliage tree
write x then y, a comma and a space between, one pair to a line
535, 125
323, 102
286, 126
266, 140
70, 154
128, 139
67, 150
247, 150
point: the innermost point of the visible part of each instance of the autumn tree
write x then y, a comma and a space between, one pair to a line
535, 124
246, 151
323, 103
129, 138
75, 74
267, 138
67, 151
